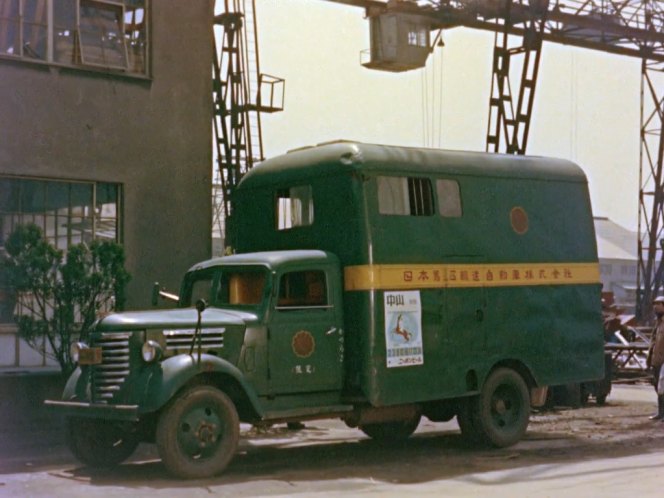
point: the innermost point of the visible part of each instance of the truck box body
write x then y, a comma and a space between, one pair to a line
489, 259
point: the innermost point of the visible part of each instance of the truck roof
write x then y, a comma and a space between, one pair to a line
343, 156
270, 259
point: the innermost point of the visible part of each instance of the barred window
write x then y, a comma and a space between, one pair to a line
105, 34
404, 196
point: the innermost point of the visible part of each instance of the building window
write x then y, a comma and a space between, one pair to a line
404, 196
105, 34
418, 36
628, 270
67, 212
605, 269
295, 207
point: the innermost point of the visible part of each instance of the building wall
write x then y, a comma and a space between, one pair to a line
152, 135
619, 276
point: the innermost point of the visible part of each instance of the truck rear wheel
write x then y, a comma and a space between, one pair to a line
391, 431
466, 412
502, 411
198, 433
99, 443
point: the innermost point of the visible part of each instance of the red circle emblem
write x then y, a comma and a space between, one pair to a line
519, 220
303, 344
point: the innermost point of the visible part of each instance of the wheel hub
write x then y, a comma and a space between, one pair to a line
500, 406
206, 433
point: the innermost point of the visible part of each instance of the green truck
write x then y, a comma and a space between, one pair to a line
374, 284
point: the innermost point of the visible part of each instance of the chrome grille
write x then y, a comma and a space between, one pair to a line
108, 377
182, 339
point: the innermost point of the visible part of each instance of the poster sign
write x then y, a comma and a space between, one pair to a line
403, 329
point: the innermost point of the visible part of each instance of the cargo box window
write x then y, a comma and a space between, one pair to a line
295, 207
449, 198
404, 196
303, 289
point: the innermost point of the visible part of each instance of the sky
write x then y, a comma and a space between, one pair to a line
587, 104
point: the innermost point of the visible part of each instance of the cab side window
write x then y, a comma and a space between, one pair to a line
303, 289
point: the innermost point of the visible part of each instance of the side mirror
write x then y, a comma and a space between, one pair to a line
158, 293
155, 294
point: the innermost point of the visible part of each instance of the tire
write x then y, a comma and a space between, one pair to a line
198, 433
601, 399
585, 394
502, 413
391, 431
99, 443
465, 418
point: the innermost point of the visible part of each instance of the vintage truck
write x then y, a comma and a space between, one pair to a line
374, 284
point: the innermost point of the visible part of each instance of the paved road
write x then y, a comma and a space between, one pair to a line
559, 458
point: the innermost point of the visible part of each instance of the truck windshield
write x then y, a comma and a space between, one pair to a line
241, 287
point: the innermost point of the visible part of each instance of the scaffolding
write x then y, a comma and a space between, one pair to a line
240, 94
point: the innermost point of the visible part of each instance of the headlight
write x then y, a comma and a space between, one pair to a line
75, 350
151, 351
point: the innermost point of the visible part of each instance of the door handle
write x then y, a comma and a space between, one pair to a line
331, 331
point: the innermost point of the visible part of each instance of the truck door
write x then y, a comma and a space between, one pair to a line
305, 350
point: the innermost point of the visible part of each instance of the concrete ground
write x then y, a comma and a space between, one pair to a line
607, 451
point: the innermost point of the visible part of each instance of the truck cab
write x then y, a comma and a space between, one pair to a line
265, 329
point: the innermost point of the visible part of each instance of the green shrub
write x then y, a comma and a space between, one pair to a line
59, 298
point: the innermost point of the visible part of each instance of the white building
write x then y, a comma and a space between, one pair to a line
617, 251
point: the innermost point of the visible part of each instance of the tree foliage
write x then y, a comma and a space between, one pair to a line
59, 298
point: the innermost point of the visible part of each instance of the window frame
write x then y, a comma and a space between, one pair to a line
303, 307
411, 194
135, 42
283, 208
83, 46
66, 213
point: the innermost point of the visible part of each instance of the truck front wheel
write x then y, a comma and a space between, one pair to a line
99, 443
391, 431
198, 433
502, 412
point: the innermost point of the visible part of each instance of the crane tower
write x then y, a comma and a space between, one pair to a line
240, 94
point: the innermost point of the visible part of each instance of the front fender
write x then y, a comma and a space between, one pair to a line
75, 387
177, 371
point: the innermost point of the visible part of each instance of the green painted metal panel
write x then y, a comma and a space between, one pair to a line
549, 326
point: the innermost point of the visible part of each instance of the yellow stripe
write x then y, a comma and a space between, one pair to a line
406, 276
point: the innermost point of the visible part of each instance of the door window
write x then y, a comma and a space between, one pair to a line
303, 289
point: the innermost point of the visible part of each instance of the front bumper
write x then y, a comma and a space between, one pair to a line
128, 413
